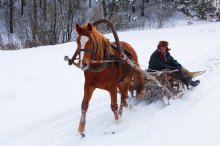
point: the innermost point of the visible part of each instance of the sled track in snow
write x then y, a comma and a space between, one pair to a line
43, 132
61, 128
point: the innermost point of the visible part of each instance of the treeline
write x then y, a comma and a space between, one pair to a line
42, 22
30, 23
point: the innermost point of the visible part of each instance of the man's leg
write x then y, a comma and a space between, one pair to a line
185, 78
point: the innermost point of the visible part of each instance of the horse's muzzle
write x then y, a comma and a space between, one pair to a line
84, 66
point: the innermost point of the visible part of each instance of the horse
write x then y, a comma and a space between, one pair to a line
103, 69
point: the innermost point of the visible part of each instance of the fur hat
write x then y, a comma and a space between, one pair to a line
163, 44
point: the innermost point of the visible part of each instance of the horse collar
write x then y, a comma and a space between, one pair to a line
100, 66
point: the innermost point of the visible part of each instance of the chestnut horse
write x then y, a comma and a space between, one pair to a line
103, 69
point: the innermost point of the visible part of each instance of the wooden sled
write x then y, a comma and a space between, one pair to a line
166, 87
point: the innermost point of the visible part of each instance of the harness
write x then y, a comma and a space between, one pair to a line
100, 65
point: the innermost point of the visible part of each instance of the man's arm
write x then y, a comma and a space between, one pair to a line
173, 62
155, 61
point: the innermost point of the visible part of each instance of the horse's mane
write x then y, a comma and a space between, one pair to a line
101, 42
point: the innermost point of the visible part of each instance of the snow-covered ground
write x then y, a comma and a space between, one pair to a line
40, 96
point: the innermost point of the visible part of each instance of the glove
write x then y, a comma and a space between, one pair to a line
178, 67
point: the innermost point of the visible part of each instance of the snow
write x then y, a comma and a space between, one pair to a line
40, 96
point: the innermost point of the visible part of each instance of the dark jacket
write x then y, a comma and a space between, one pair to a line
159, 62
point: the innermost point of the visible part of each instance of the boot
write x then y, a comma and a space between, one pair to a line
187, 82
194, 83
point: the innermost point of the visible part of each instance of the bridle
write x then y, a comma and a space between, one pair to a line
94, 50
91, 51
88, 51
98, 64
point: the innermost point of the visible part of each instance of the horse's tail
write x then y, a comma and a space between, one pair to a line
138, 78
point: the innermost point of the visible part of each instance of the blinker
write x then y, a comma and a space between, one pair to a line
89, 51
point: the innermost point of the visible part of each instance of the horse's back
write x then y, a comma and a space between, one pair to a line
130, 50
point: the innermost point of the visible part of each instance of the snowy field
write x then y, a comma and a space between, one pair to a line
40, 96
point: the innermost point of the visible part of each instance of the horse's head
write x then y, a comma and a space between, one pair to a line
86, 46
91, 45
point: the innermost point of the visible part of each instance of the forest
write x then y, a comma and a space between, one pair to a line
31, 23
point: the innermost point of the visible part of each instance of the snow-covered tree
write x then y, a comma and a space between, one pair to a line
204, 9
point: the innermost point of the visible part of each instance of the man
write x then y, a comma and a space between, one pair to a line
162, 60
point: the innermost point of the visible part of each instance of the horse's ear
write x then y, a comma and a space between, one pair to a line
89, 26
78, 28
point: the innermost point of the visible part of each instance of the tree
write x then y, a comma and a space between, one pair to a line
45, 10
40, 3
90, 3
184, 6
104, 8
22, 7
69, 21
34, 20
142, 8
11, 16
54, 30
204, 9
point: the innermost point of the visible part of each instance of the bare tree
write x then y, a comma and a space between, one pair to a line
54, 41
40, 3
143, 8
35, 25
90, 3
133, 6
69, 18
77, 3
11, 16
61, 6
104, 8
45, 10
22, 7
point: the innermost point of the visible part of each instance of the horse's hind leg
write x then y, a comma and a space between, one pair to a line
124, 94
88, 90
114, 104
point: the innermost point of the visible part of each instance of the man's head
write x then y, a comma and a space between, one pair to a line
163, 46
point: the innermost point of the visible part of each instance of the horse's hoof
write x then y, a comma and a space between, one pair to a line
129, 106
82, 135
118, 120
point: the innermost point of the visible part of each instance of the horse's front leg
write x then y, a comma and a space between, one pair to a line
88, 90
114, 104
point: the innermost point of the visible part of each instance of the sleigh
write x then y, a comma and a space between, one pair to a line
114, 66
160, 85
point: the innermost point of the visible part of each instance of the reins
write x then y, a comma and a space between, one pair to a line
103, 61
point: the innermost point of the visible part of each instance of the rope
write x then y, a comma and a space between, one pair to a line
164, 71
